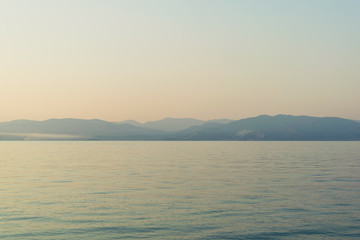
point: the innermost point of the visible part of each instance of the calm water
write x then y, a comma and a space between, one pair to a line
180, 190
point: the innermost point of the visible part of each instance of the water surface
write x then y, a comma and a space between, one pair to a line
179, 190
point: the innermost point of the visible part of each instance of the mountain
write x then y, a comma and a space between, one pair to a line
280, 127
264, 127
222, 121
131, 122
78, 129
174, 124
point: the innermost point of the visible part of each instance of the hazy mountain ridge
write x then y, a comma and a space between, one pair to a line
174, 124
131, 122
279, 127
83, 129
264, 127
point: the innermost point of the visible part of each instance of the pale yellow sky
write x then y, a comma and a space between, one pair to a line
146, 60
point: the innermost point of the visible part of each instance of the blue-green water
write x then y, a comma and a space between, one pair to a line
179, 190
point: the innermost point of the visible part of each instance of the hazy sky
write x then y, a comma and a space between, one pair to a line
150, 59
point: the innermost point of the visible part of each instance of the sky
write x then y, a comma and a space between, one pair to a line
207, 59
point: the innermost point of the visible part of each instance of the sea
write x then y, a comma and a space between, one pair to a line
179, 190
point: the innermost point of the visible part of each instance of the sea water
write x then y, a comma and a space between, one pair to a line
179, 190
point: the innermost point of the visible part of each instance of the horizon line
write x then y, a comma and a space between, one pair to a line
175, 118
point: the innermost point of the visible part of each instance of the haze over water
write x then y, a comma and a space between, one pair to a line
180, 190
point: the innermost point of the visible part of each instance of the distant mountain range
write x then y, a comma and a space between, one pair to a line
264, 127
280, 127
75, 129
174, 124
